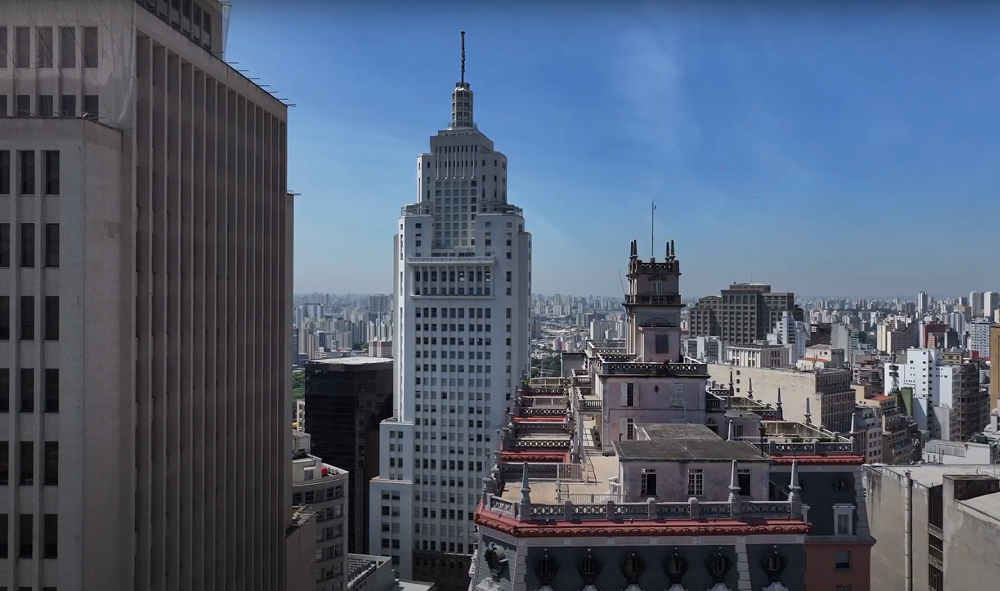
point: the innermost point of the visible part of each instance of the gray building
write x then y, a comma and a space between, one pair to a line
936, 527
322, 489
145, 269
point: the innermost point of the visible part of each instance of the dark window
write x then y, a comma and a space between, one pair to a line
90, 104
44, 47
27, 318
5, 390
26, 532
24, 105
4, 168
22, 47
27, 462
4, 50
843, 560
27, 245
51, 463
51, 245
743, 479
3, 108
4, 462
4, 318
4, 535
67, 47
90, 47
27, 166
50, 535
27, 390
51, 390
46, 107
206, 24
52, 172
67, 107
51, 318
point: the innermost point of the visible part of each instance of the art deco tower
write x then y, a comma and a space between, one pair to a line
461, 288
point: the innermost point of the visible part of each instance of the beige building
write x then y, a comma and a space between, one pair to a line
994, 365
322, 490
936, 527
828, 392
758, 355
742, 314
145, 268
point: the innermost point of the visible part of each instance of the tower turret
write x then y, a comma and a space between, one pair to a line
653, 305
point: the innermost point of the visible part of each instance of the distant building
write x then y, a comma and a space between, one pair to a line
979, 338
994, 387
757, 355
346, 399
380, 348
744, 313
375, 573
705, 349
822, 357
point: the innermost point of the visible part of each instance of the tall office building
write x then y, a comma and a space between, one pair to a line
976, 301
462, 287
745, 313
991, 302
145, 292
923, 302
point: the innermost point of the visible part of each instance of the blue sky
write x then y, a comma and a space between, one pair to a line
824, 149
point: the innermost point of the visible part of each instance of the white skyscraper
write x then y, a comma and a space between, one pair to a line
991, 301
462, 285
923, 302
976, 302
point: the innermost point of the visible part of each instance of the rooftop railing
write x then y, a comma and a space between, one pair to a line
612, 510
656, 300
655, 369
514, 471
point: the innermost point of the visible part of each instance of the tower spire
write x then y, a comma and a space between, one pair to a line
463, 57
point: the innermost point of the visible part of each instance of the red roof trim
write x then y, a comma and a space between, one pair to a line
820, 460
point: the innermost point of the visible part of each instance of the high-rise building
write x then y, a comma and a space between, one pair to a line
150, 292
346, 399
991, 303
923, 302
462, 284
994, 387
744, 313
976, 301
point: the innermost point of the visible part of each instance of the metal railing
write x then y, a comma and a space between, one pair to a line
513, 472
613, 510
656, 369
663, 300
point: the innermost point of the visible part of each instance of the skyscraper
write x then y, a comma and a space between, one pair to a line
144, 411
976, 301
462, 284
923, 302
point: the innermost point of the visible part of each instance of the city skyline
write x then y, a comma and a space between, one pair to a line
720, 111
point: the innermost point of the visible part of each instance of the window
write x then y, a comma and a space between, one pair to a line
4, 318
27, 462
45, 105
23, 105
90, 47
4, 536
51, 318
51, 475
4, 463
629, 397
25, 531
743, 480
67, 47
50, 535
51, 390
696, 483
843, 560
27, 391
647, 483
44, 47
27, 318
67, 106
51, 245
4, 164
27, 245
90, 106
4, 390
22, 47
27, 166
843, 519
51, 172
3, 104
677, 396
3, 59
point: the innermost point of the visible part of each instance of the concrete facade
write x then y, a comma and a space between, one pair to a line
462, 285
173, 280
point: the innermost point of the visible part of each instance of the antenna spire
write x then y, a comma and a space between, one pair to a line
463, 57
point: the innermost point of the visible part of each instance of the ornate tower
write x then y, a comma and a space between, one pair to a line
653, 305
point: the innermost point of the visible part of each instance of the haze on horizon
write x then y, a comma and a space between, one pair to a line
823, 149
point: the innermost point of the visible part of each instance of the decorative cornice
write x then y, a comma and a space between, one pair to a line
522, 529
844, 544
551, 457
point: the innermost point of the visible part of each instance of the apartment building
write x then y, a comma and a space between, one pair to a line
744, 313
321, 489
145, 291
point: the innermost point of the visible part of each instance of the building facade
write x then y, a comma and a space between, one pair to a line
744, 313
462, 287
345, 399
148, 281
321, 489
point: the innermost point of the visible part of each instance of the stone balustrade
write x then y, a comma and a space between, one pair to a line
652, 510
653, 369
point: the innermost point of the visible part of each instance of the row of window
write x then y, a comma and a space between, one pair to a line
26, 398
25, 536
26, 332
433, 395
73, 47
45, 106
318, 496
26, 451
474, 342
26, 168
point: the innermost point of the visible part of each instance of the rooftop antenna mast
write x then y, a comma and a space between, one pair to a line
463, 58
652, 225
